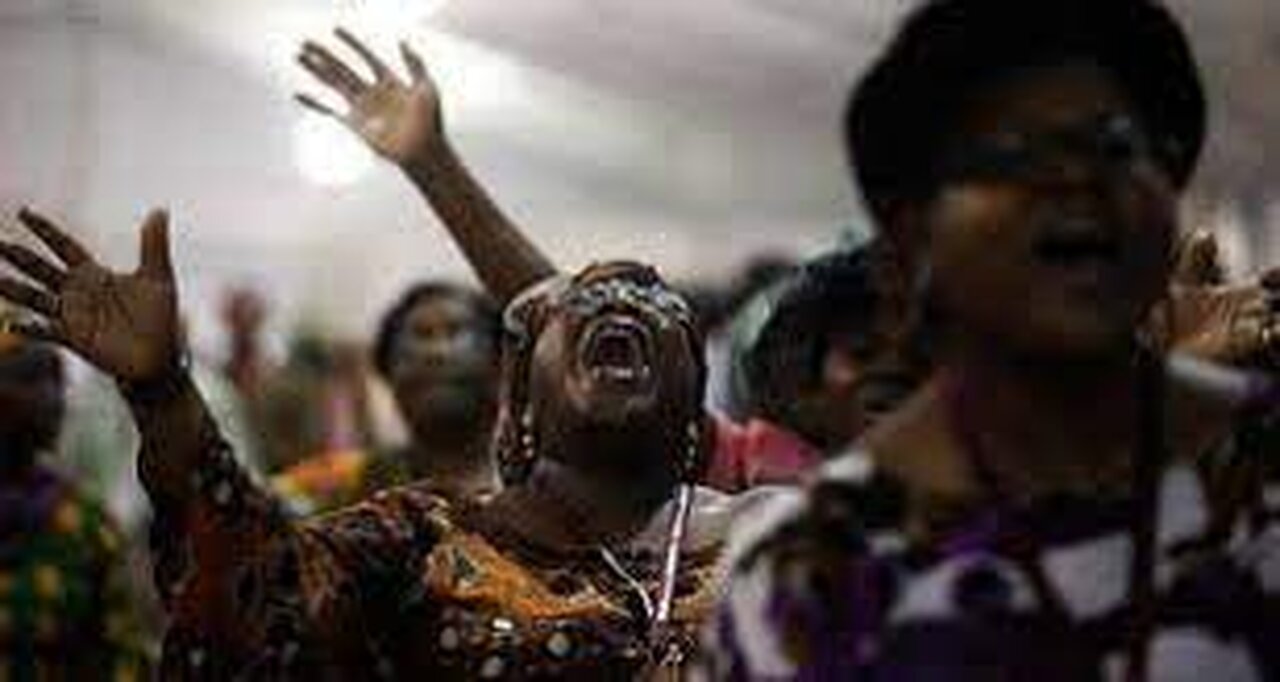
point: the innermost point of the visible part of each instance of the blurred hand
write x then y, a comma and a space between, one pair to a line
1199, 261
1233, 324
126, 324
401, 121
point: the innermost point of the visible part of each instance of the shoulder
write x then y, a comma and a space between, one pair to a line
386, 524
808, 562
851, 503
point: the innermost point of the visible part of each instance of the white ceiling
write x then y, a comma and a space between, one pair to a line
688, 133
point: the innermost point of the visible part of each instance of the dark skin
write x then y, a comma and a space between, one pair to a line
243, 314
1047, 342
125, 324
600, 479
443, 375
401, 120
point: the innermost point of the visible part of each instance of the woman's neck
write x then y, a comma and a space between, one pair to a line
594, 508
463, 461
1044, 425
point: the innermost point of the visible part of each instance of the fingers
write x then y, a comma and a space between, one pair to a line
36, 331
330, 70
316, 105
1200, 261
66, 248
413, 62
29, 297
155, 259
380, 70
33, 265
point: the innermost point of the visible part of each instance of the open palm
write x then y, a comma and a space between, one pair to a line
126, 324
1228, 323
400, 120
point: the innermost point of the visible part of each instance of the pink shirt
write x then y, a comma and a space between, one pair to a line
758, 453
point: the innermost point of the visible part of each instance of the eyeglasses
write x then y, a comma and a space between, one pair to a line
589, 300
1111, 142
594, 298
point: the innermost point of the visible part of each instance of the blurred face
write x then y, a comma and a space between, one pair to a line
31, 399
1050, 229
614, 359
861, 377
443, 368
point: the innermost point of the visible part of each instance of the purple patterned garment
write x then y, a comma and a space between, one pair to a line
825, 586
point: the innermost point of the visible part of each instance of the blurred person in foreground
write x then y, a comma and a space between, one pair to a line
1032, 513
64, 600
438, 349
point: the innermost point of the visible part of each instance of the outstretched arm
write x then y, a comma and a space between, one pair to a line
242, 585
402, 121
126, 324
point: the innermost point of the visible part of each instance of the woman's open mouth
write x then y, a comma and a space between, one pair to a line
616, 350
1082, 252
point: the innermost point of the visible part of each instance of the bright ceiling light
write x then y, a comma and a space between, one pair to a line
397, 12
326, 154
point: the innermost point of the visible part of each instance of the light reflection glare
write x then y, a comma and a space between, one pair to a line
328, 155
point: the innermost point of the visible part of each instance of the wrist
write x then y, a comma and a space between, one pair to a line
435, 156
162, 387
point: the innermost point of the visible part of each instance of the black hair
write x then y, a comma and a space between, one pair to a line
830, 296
904, 107
393, 321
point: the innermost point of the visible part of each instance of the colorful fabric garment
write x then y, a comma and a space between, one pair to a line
334, 480
827, 585
758, 453
64, 607
406, 585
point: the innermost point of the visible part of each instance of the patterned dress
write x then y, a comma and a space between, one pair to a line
405, 585
334, 480
64, 604
827, 586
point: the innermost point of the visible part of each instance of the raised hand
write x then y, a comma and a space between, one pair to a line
400, 120
1235, 324
126, 324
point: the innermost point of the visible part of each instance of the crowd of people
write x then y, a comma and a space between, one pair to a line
1026, 432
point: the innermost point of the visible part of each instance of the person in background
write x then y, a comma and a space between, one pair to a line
825, 363
65, 611
729, 328
243, 314
1032, 512
437, 347
310, 408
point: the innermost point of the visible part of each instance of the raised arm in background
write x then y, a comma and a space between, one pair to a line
402, 121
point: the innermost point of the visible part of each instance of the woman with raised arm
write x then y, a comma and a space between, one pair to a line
598, 560
401, 120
